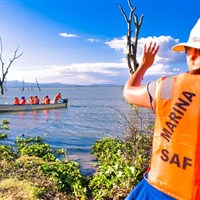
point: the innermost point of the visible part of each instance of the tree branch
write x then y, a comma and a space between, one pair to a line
4, 70
132, 46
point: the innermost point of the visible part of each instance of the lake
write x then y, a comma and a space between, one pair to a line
92, 113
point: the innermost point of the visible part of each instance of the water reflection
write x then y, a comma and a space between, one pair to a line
46, 114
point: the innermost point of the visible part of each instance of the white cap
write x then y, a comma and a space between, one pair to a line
193, 41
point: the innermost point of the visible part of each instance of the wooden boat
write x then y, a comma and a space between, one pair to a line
29, 107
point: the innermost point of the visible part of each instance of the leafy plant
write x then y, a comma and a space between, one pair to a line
66, 175
5, 121
7, 153
3, 135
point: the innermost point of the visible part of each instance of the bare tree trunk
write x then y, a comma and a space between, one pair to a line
2, 90
23, 85
37, 84
4, 70
5, 85
132, 46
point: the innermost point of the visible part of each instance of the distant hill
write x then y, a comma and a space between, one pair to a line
19, 84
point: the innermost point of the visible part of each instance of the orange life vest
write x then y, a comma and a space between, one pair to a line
57, 97
16, 101
175, 163
23, 102
47, 101
36, 100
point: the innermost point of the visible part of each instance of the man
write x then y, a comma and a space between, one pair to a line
16, 101
31, 100
36, 100
57, 98
22, 101
175, 163
46, 100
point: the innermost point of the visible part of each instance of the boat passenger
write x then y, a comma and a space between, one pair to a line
16, 101
43, 100
31, 100
36, 100
23, 101
57, 98
47, 100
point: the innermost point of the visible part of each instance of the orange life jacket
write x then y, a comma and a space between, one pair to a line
57, 97
36, 100
23, 102
47, 101
16, 101
175, 163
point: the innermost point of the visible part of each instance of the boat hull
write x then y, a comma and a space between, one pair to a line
28, 107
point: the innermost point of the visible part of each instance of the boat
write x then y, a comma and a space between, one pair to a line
30, 107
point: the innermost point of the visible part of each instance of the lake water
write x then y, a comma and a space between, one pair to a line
92, 113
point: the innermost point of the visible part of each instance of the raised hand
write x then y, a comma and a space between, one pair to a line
149, 54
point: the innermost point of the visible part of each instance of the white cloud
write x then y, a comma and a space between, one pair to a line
68, 35
77, 73
92, 40
119, 44
160, 69
165, 58
166, 63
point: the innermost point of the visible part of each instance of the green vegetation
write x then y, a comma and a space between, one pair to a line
121, 166
5, 128
3, 135
31, 169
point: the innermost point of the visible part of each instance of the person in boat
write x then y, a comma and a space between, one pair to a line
23, 101
43, 100
174, 171
46, 100
57, 98
16, 101
31, 100
36, 100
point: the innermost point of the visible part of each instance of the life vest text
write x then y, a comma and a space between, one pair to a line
176, 159
176, 114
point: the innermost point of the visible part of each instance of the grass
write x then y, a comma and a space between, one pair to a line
14, 189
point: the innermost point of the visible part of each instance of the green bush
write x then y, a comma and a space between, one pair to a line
122, 164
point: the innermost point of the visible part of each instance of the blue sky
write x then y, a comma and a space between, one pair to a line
83, 41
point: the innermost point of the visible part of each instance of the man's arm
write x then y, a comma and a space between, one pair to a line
134, 92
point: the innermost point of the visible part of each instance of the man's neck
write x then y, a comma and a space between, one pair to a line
194, 71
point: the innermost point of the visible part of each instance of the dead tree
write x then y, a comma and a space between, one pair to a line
132, 45
37, 84
5, 85
4, 69
23, 85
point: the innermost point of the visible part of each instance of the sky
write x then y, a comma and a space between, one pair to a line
84, 41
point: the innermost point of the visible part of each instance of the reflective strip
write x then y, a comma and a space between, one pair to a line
167, 88
151, 88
